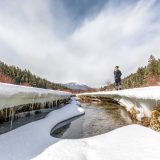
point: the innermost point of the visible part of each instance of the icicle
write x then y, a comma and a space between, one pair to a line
56, 102
33, 103
52, 104
49, 105
9, 114
12, 117
32, 106
6, 114
2, 112
44, 105
41, 106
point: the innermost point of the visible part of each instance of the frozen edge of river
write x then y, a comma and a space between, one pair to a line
143, 100
34, 140
28, 141
15, 95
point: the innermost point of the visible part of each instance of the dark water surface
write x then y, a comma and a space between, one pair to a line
98, 119
26, 118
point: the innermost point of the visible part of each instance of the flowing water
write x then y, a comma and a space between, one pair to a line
98, 119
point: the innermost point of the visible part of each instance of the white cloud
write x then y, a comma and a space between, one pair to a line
124, 36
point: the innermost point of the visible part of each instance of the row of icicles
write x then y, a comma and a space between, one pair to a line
10, 114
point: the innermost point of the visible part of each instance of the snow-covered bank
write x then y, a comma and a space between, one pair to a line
30, 140
127, 143
14, 95
33, 141
143, 100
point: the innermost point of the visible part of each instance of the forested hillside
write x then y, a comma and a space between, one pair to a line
144, 76
15, 75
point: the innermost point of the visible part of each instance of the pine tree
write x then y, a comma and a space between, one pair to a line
152, 67
12, 74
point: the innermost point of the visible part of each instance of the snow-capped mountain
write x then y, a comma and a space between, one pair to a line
76, 86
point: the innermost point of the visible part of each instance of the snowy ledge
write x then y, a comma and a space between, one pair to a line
14, 95
33, 141
143, 100
132, 142
28, 141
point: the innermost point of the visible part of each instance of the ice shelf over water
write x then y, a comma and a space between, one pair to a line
144, 100
14, 95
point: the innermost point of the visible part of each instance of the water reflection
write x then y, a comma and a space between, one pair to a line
98, 119
24, 118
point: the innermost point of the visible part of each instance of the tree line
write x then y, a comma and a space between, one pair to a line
15, 75
148, 75
144, 76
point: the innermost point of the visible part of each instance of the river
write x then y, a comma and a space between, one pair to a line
98, 119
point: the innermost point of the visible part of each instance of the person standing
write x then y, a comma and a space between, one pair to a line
117, 76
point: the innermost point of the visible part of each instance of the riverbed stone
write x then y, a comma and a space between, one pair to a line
145, 121
133, 113
155, 120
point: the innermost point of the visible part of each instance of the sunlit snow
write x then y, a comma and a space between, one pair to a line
33, 141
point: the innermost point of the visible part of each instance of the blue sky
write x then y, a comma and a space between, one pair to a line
79, 40
75, 12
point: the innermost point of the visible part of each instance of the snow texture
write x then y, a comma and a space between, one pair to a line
144, 100
14, 95
135, 93
28, 141
127, 143
33, 141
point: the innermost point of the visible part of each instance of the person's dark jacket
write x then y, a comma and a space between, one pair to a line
117, 74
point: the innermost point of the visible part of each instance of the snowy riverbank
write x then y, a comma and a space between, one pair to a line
30, 140
143, 100
127, 143
33, 141
15, 95
16, 99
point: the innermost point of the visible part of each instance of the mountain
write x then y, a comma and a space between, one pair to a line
76, 86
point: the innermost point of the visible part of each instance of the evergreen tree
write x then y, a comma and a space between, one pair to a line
152, 67
148, 75
16, 75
